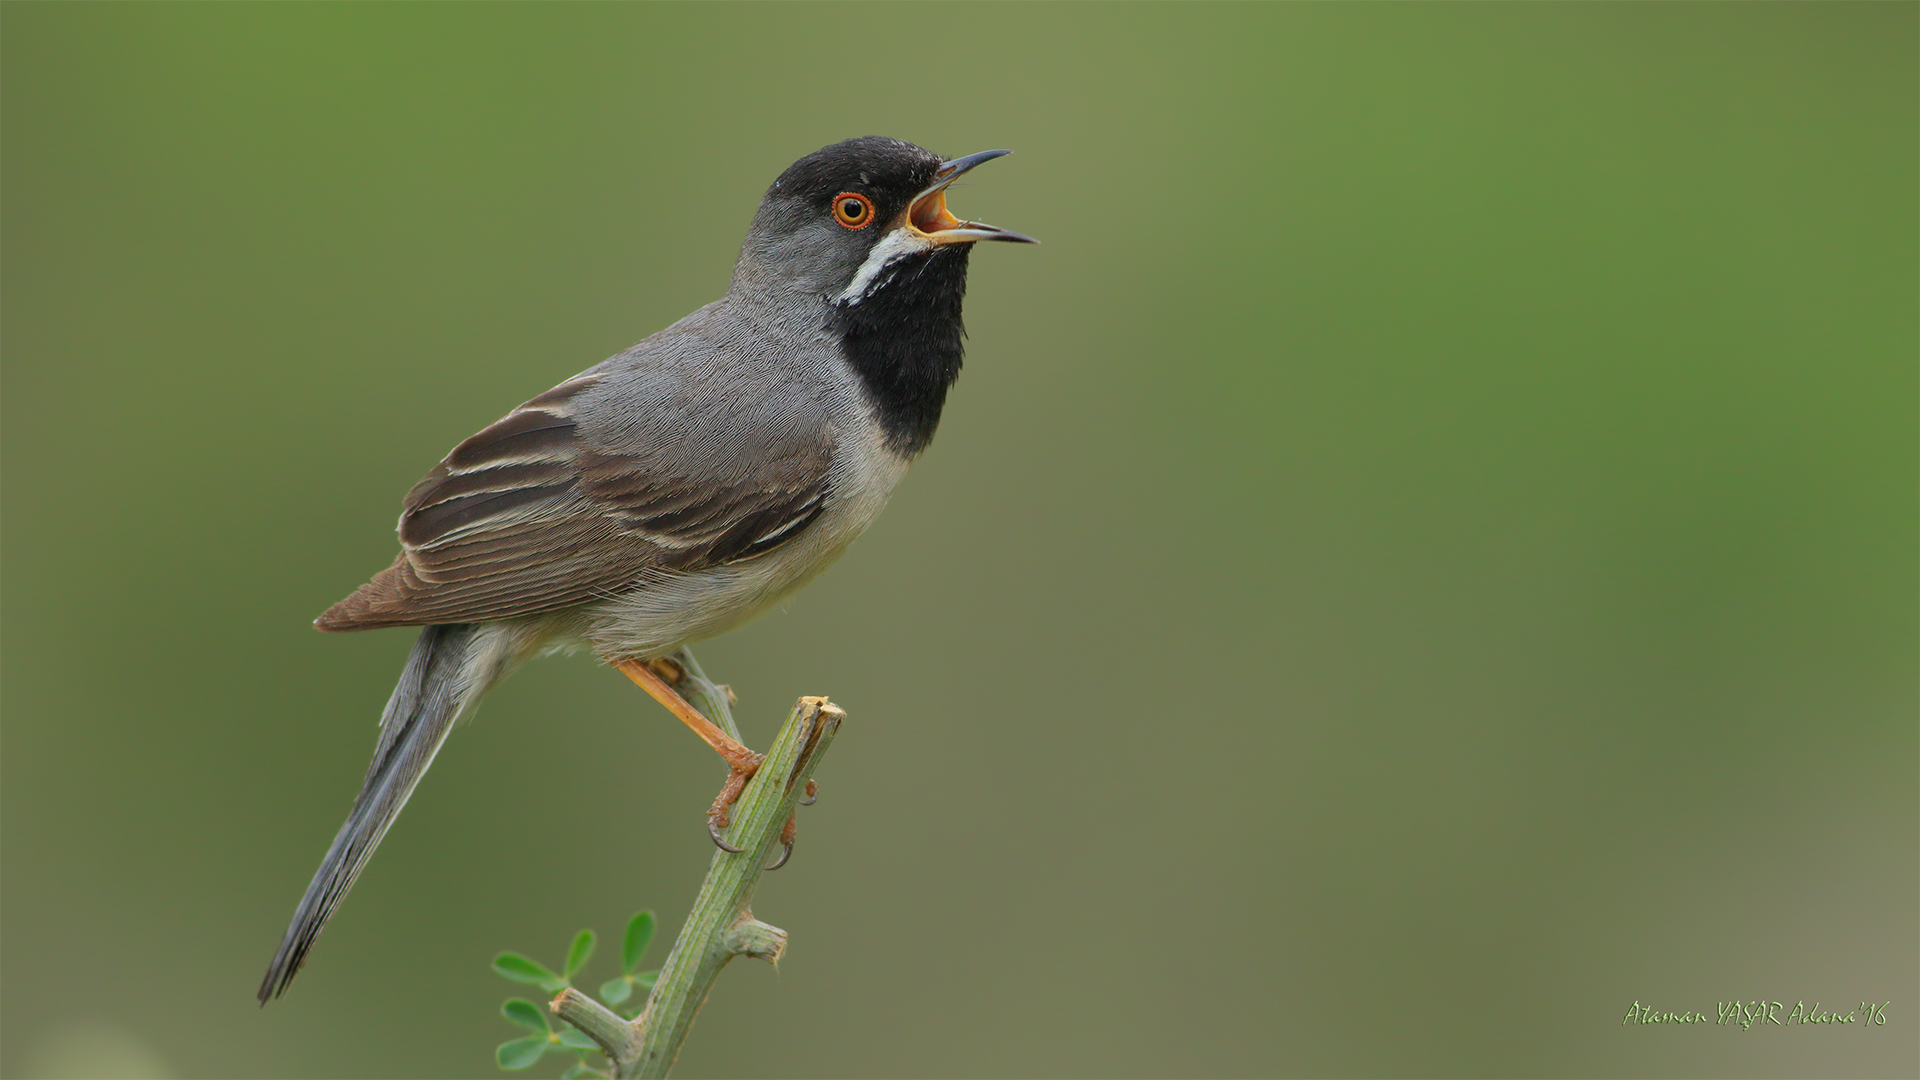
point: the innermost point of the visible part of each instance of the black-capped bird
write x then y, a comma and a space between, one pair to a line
681, 487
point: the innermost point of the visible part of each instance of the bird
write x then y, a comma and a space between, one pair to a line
679, 488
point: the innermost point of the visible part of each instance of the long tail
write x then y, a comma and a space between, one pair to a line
445, 675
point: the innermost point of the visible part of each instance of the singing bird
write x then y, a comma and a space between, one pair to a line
681, 487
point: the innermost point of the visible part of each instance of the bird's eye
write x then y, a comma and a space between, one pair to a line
852, 210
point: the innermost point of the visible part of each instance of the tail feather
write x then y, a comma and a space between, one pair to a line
439, 682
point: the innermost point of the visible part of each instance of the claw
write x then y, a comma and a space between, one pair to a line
787, 833
713, 830
813, 794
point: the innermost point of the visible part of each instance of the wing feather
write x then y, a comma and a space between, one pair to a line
525, 517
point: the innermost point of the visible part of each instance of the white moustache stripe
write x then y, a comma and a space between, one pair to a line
895, 245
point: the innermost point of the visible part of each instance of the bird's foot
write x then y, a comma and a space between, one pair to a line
792, 828
740, 769
787, 834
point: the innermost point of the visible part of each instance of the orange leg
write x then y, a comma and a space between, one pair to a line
742, 763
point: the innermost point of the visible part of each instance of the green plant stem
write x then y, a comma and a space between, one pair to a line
608, 1028
721, 925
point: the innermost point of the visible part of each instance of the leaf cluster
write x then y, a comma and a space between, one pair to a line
524, 1052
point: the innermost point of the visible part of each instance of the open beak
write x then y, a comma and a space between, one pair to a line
928, 216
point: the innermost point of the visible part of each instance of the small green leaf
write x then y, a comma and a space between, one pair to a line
615, 991
522, 970
577, 956
634, 947
521, 1053
526, 1014
575, 1071
646, 979
577, 1040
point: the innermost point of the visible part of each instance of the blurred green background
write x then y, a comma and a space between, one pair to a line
1422, 557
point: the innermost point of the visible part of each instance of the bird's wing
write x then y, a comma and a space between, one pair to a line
528, 516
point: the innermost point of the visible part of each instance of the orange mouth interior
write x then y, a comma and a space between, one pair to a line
930, 215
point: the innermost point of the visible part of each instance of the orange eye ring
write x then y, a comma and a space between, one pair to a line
853, 210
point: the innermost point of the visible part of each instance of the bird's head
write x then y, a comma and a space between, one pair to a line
848, 220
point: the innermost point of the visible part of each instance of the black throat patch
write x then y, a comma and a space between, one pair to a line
904, 338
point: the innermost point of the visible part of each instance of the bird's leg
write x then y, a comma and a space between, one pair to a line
669, 671
742, 763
